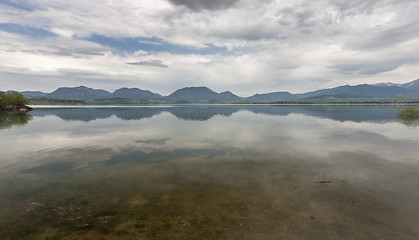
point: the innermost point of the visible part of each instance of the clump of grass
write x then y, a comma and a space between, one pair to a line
409, 115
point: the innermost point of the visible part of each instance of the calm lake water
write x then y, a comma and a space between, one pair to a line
209, 172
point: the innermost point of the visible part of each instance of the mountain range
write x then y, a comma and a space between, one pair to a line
206, 95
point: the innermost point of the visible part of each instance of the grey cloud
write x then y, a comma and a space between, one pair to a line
77, 75
354, 6
300, 15
65, 47
387, 38
358, 6
67, 52
47, 82
55, 47
199, 5
403, 28
293, 23
85, 51
360, 68
251, 33
150, 63
159, 141
285, 23
372, 67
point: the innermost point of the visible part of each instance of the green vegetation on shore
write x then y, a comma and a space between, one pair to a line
409, 115
13, 102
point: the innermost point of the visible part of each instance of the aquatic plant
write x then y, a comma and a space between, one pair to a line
409, 115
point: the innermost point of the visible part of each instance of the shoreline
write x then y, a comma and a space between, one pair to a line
16, 109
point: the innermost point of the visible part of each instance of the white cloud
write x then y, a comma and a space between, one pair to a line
273, 45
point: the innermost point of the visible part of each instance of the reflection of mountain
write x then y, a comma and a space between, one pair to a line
203, 113
335, 112
8, 120
75, 114
136, 113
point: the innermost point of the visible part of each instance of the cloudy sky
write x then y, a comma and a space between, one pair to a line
245, 46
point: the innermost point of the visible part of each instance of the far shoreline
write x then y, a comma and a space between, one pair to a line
69, 106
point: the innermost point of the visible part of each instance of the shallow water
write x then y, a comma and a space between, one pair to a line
210, 172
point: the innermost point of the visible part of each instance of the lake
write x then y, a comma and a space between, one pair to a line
209, 172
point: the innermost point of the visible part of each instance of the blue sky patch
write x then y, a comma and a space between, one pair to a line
37, 33
130, 45
24, 5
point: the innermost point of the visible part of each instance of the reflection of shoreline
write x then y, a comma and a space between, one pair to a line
203, 113
8, 120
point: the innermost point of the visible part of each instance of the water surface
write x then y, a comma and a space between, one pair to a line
209, 172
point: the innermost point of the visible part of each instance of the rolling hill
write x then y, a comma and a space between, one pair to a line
206, 95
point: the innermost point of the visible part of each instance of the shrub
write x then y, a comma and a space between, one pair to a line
12, 99
409, 112
409, 115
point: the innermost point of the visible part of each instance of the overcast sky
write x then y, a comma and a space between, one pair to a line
244, 46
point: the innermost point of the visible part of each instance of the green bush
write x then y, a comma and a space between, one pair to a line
409, 115
12, 99
409, 112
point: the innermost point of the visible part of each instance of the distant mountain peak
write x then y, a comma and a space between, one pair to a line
80, 92
387, 84
412, 84
271, 97
202, 95
227, 93
197, 88
135, 93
